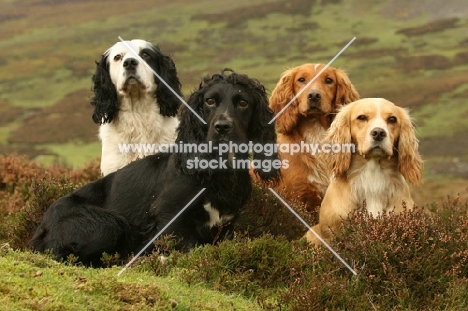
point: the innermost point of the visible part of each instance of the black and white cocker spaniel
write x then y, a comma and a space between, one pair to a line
124, 210
136, 111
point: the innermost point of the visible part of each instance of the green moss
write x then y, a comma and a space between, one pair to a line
31, 281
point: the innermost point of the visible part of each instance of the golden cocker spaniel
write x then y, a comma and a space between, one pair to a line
386, 153
305, 121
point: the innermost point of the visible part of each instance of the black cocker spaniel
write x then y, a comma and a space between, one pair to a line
124, 210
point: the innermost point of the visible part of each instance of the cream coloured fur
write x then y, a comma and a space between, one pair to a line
374, 176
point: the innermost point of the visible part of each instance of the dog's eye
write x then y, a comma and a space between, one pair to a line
117, 57
145, 55
328, 80
301, 79
392, 120
210, 102
243, 103
362, 117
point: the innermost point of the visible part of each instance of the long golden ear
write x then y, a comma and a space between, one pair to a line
339, 133
410, 163
280, 97
346, 92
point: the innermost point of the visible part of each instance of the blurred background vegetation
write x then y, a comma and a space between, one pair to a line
413, 53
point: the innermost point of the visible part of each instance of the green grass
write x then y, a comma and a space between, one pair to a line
32, 282
71, 154
43, 91
446, 117
5, 131
438, 168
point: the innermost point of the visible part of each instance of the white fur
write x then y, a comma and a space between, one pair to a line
117, 71
138, 120
141, 125
373, 185
215, 219
379, 122
314, 136
314, 133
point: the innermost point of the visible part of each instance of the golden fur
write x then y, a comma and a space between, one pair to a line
306, 120
374, 176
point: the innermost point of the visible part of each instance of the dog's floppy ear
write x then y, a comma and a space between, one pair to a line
191, 129
168, 102
280, 97
261, 132
339, 133
346, 93
410, 163
105, 95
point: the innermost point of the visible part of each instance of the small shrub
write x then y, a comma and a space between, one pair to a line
410, 261
19, 226
264, 213
163, 257
109, 260
259, 268
27, 189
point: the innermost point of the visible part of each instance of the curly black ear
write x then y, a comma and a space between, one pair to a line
191, 129
167, 100
260, 132
105, 95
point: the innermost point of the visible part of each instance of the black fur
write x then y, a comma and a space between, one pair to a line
122, 211
105, 100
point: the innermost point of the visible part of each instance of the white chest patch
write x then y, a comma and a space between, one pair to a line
215, 219
314, 134
135, 133
372, 186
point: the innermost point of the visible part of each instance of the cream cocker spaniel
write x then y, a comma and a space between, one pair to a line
386, 153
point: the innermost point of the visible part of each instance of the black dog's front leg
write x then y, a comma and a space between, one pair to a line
171, 214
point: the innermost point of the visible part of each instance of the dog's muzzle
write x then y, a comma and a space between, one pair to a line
223, 127
314, 100
378, 134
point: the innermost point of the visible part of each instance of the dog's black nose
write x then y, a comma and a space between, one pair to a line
378, 134
223, 126
314, 96
130, 63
